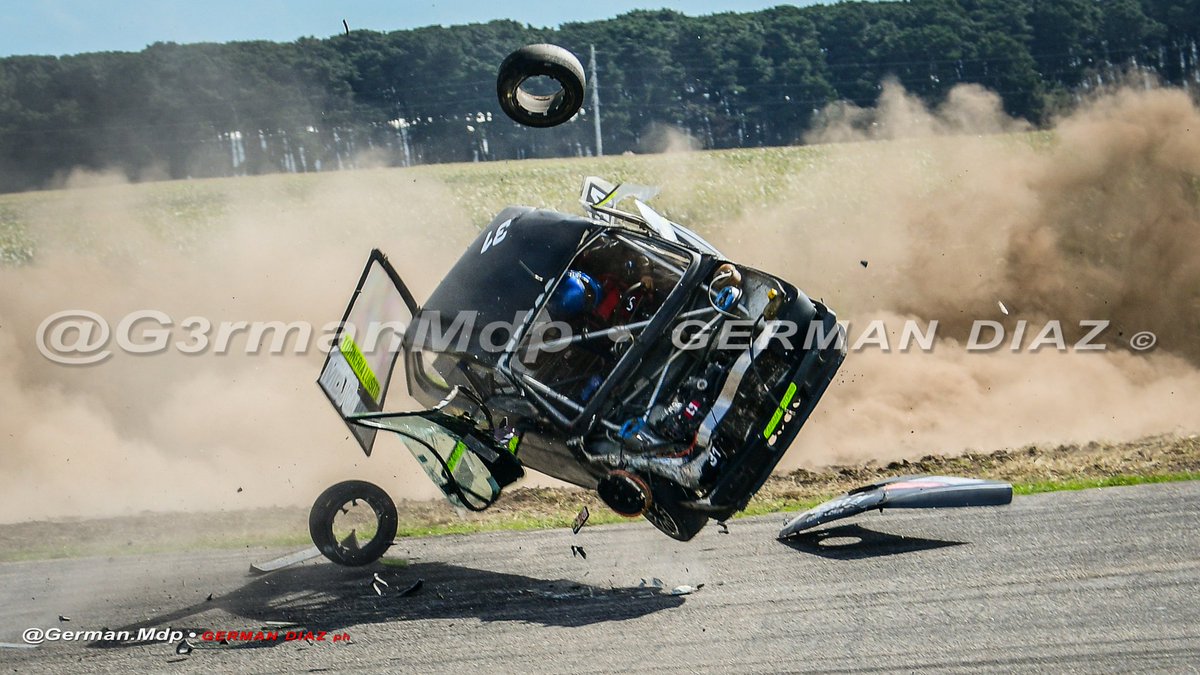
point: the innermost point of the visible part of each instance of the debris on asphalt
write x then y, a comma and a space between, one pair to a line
378, 583
580, 519
183, 648
63, 618
862, 262
578, 551
414, 589
239, 489
1002, 308
16, 645
921, 491
285, 561
209, 598
678, 590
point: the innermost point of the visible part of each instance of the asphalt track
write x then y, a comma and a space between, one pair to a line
1100, 580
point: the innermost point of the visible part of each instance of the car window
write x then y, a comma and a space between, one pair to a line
611, 291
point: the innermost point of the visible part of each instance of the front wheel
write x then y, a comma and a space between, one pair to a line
347, 513
670, 516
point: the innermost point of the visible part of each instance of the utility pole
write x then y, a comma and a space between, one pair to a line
596, 102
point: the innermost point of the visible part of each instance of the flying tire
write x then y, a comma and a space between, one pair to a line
537, 109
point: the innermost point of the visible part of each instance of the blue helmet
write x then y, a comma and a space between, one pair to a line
576, 293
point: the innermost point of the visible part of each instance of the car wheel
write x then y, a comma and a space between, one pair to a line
672, 518
345, 510
540, 109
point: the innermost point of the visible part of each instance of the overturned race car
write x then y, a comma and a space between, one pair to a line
619, 352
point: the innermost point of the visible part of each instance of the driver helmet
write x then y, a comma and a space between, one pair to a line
576, 294
636, 268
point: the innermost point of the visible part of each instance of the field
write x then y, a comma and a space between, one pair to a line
703, 194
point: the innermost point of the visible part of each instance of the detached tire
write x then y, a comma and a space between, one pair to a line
330, 503
536, 110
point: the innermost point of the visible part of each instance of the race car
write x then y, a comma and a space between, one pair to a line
618, 351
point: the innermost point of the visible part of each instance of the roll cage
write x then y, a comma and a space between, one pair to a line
632, 338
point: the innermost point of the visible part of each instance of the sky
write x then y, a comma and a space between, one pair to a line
58, 27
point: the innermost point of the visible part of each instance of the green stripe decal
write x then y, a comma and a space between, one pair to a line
513, 443
456, 455
783, 404
358, 363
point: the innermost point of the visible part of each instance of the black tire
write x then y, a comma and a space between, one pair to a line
531, 109
672, 518
326, 508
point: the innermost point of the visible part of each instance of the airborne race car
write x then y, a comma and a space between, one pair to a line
618, 352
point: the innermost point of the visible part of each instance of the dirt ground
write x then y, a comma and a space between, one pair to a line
1031, 467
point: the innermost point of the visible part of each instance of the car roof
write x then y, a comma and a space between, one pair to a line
506, 270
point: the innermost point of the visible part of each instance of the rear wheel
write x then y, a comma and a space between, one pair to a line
347, 514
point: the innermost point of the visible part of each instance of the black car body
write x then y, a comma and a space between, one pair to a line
673, 393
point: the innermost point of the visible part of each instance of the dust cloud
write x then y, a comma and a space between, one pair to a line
666, 139
955, 213
170, 431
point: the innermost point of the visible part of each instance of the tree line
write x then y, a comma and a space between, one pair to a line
428, 94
